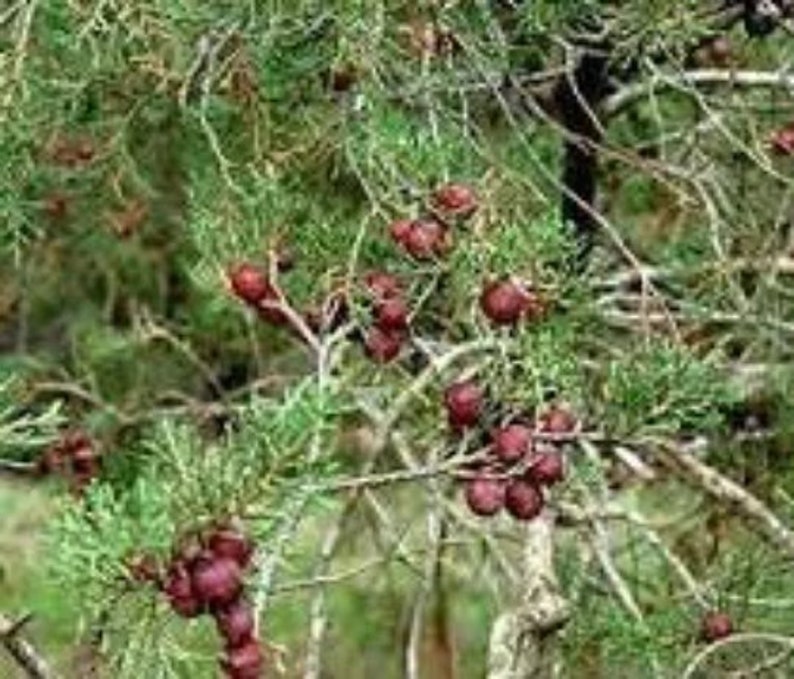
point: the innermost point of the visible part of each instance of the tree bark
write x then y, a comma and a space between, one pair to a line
523, 642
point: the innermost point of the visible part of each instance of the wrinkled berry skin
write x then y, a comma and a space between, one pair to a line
464, 404
485, 496
523, 500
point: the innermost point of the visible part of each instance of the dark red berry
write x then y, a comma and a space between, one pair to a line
392, 315
400, 229
249, 283
716, 625
426, 239
505, 302
523, 500
512, 442
244, 662
178, 587
455, 199
75, 440
217, 581
236, 623
557, 420
232, 545
382, 346
485, 496
782, 141
85, 460
546, 469
464, 403
382, 285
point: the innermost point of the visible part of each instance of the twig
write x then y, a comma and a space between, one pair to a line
23, 652
698, 473
615, 103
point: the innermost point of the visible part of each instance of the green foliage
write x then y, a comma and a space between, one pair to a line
256, 469
663, 388
147, 146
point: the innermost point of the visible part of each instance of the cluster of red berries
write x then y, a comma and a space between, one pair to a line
517, 467
430, 237
389, 314
207, 576
252, 286
75, 456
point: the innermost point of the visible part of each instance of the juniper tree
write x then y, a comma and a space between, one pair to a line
317, 279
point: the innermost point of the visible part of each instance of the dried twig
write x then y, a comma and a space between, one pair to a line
23, 652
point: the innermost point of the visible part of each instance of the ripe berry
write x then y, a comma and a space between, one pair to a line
400, 229
716, 625
178, 587
74, 440
505, 302
455, 199
557, 420
231, 544
485, 496
217, 581
382, 346
244, 662
236, 623
547, 469
249, 283
382, 285
464, 402
84, 461
426, 239
523, 500
391, 315
512, 442
782, 141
